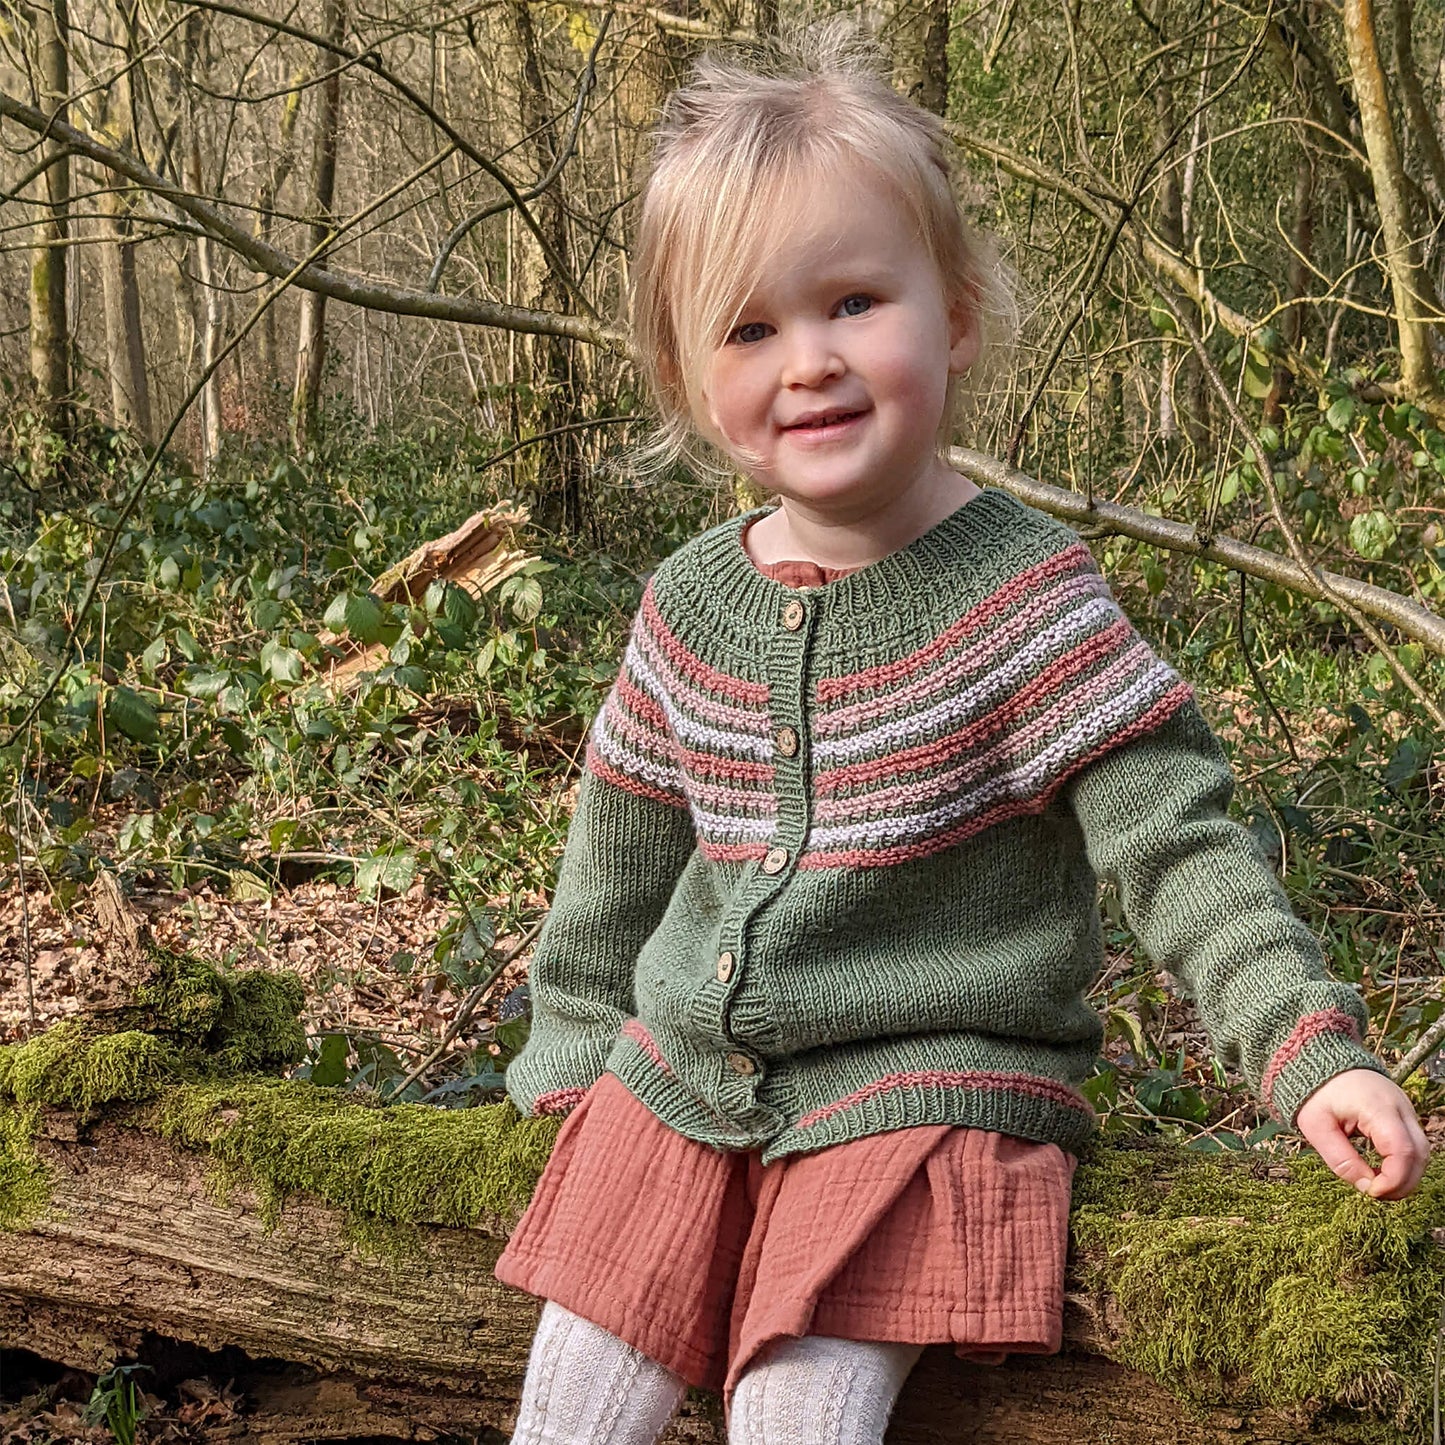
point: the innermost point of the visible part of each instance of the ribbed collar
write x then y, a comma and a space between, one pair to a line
959, 560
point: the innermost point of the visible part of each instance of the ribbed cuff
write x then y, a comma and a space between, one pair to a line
551, 1079
1321, 1045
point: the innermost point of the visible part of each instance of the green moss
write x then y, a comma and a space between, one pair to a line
73, 1066
243, 1022
404, 1165
24, 1179
1298, 1293
189, 1021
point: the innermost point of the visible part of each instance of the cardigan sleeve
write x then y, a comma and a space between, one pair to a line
630, 838
1204, 902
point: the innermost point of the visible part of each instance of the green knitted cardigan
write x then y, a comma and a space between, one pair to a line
834, 865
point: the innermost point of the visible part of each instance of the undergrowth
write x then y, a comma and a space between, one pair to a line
191, 744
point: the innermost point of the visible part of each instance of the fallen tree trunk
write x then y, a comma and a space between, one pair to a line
406, 1333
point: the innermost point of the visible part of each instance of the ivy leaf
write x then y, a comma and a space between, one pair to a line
394, 871
1372, 534
330, 1066
128, 712
1341, 413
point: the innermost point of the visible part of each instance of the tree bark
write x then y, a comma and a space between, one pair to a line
266, 193
1427, 135
1409, 286
558, 375
130, 401
311, 341
918, 32
49, 322
135, 1254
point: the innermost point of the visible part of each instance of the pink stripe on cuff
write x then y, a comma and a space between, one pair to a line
1310, 1027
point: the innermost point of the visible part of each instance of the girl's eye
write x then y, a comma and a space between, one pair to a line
749, 331
865, 305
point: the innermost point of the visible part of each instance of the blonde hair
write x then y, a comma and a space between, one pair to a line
742, 140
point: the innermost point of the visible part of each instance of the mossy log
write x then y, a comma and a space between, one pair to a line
407, 1333
161, 1191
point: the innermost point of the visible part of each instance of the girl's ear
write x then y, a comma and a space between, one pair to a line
965, 337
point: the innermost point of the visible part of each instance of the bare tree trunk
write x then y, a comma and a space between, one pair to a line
1293, 321
1410, 287
1427, 136
557, 369
130, 401
49, 325
266, 193
208, 323
918, 30
311, 342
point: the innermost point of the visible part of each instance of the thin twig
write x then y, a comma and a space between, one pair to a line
1276, 505
464, 1014
1425, 1045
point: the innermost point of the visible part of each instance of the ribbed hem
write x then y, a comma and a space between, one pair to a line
1023, 1105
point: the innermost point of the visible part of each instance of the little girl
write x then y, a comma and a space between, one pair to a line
813, 985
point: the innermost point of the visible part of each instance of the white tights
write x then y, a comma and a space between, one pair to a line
584, 1386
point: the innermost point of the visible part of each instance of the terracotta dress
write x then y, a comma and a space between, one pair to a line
700, 1257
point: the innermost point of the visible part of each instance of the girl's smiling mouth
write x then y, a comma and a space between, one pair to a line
824, 425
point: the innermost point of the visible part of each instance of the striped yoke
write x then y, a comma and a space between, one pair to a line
835, 861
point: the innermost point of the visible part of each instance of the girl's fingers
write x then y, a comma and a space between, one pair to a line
1404, 1153
1332, 1144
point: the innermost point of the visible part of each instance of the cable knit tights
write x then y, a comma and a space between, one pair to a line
820, 1391
584, 1386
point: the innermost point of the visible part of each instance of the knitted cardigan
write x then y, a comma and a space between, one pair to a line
834, 865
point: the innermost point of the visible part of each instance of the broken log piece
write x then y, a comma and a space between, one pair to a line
479, 555
1292, 1308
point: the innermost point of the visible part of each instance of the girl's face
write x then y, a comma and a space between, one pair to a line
836, 372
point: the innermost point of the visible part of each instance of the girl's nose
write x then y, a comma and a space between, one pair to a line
810, 357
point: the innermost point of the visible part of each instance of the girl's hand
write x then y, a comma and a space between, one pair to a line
1360, 1101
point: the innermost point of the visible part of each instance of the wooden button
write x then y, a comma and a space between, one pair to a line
793, 615
775, 860
787, 741
741, 1064
725, 962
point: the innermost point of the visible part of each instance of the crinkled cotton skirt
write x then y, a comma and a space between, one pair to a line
700, 1258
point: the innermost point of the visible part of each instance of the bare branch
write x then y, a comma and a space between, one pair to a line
341, 286
1410, 617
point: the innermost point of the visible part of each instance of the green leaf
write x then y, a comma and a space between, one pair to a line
335, 615
187, 645
153, 656
363, 618
284, 663
394, 871
459, 609
330, 1066
1341, 413
168, 574
128, 712
1372, 534
206, 684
